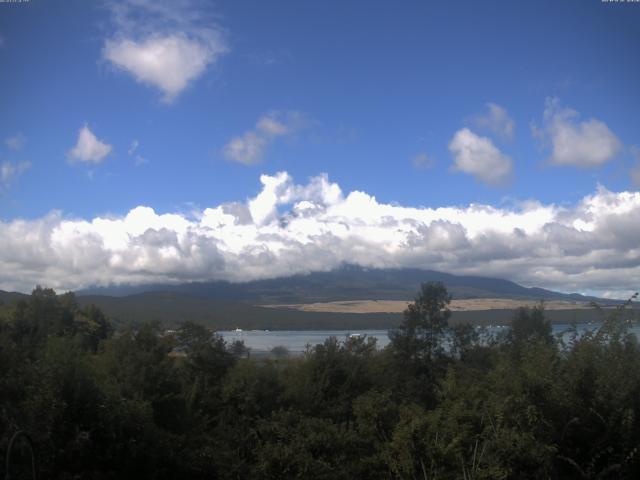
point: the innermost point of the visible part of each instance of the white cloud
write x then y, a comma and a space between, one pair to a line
290, 228
16, 142
249, 147
169, 63
422, 160
166, 45
9, 171
478, 156
587, 144
497, 121
88, 148
134, 146
137, 158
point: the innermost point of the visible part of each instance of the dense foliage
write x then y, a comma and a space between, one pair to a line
436, 403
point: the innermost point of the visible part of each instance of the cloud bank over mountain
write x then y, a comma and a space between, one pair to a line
292, 228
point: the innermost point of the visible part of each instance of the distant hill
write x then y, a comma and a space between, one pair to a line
172, 308
225, 305
8, 298
346, 283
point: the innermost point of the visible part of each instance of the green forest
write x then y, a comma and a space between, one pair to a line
439, 402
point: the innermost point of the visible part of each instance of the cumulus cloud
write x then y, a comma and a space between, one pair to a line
478, 156
496, 121
16, 142
166, 45
169, 63
9, 171
290, 228
88, 148
586, 144
249, 147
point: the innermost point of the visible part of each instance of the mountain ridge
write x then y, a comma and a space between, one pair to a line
225, 305
348, 282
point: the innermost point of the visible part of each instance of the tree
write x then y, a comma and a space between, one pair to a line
530, 325
464, 339
92, 326
239, 349
191, 334
280, 351
415, 357
425, 321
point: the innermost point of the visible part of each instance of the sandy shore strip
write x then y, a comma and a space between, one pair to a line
398, 306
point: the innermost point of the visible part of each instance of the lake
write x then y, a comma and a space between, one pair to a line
261, 341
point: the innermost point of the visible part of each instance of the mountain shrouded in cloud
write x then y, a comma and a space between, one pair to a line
292, 228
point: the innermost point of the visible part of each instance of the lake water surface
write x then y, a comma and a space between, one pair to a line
296, 341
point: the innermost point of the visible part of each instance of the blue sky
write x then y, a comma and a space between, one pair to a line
184, 105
